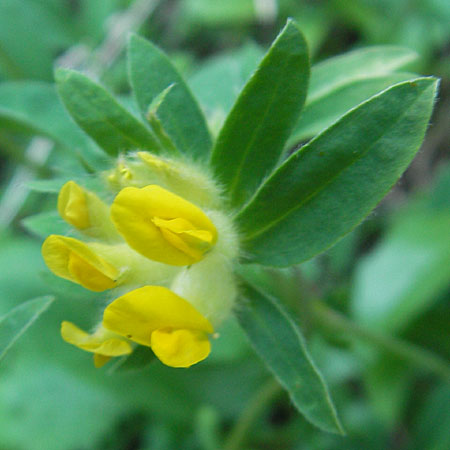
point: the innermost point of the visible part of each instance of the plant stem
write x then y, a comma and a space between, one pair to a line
254, 409
409, 352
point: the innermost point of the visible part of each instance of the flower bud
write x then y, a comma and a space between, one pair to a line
178, 176
75, 261
85, 211
72, 205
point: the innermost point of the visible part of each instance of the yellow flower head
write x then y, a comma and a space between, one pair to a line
164, 248
163, 226
73, 260
158, 318
103, 343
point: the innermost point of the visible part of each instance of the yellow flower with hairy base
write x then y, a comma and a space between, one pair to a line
163, 226
165, 250
73, 260
103, 343
158, 318
85, 211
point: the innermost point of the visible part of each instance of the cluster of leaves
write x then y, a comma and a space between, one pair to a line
364, 137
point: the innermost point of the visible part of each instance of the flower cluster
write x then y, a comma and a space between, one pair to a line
162, 252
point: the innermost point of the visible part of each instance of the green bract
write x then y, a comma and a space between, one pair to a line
365, 122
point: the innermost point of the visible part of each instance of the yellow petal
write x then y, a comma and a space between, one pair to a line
183, 235
100, 360
162, 226
100, 342
86, 211
140, 312
180, 348
87, 275
73, 260
72, 206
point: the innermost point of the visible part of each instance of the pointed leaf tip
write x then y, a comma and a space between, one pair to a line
277, 339
254, 134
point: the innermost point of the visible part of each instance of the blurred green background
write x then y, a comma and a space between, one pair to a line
388, 281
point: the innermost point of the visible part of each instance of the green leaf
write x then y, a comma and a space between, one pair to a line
14, 324
218, 81
49, 186
328, 186
341, 70
206, 13
20, 260
278, 341
140, 359
31, 42
319, 114
402, 277
156, 123
34, 107
150, 73
82, 412
340, 83
253, 136
98, 113
45, 223
54, 185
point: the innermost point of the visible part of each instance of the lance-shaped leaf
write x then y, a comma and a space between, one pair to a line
99, 114
278, 341
150, 73
340, 83
328, 186
321, 113
255, 132
18, 320
341, 70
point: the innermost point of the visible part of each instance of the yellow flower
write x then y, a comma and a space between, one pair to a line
72, 205
73, 260
158, 318
163, 226
85, 211
103, 343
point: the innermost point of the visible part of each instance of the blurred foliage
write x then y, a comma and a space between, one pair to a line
388, 281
